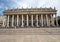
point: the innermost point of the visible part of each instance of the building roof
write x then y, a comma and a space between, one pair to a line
29, 10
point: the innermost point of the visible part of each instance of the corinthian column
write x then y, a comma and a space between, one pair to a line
47, 20
17, 20
37, 20
52, 20
4, 23
32, 20
56, 20
42, 19
27, 20
22, 21
12, 20
8, 21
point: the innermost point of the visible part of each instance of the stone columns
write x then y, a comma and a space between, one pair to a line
3, 23
32, 20
8, 21
37, 20
42, 19
17, 20
56, 20
47, 20
22, 21
52, 20
27, 20
12, 20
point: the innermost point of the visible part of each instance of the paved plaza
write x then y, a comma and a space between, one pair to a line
30, 35
29, 38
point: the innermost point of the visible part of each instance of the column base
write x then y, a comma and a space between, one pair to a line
22, 26
3, 26
48, 25
42, 25
57, 25
53, 25
17, 26
7, 26
32, 26
27, 25
38, 26
13, 26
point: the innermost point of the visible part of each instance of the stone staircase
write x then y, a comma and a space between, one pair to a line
30, 31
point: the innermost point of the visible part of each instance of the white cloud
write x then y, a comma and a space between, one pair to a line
38, 3
28, 3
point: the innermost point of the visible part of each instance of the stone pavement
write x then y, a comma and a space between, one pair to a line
30, 35
30, 31
29, 38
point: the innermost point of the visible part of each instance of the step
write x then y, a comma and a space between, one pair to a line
30, 31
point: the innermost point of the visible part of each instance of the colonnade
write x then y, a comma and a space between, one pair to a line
38, 21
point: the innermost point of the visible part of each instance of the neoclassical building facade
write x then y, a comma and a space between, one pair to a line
30, 17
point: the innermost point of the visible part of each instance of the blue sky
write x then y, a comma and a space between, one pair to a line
9, 4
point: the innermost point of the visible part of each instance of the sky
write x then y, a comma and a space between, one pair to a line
10, 4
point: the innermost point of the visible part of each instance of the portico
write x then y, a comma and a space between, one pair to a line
30, 17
